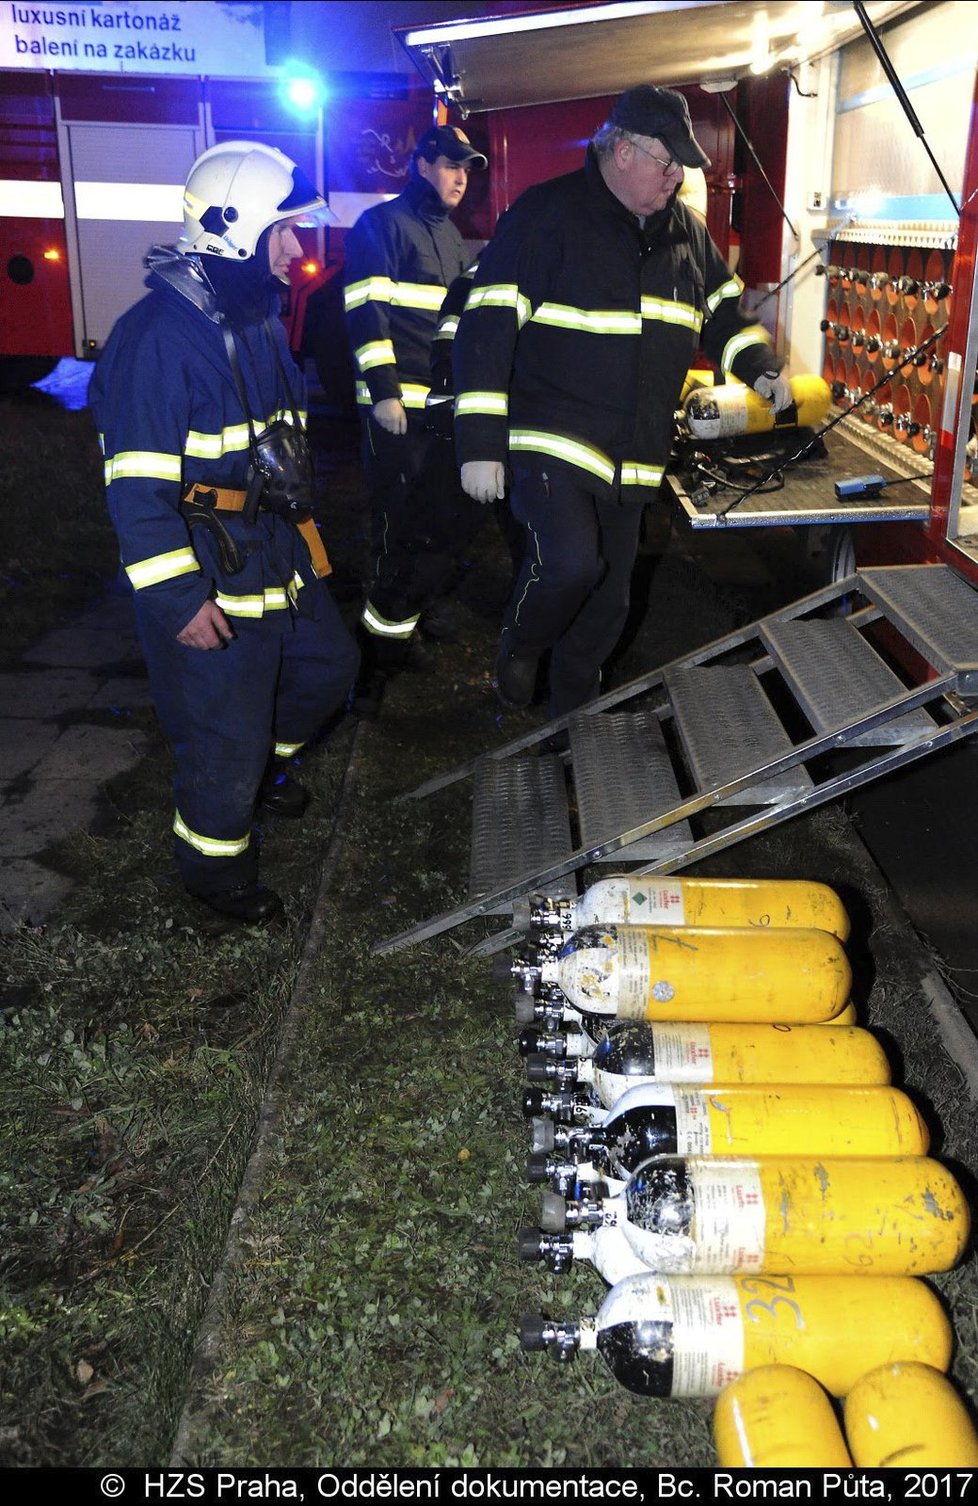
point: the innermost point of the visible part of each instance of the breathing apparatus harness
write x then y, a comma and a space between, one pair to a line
280, 473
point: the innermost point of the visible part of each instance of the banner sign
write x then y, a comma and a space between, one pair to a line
182, 37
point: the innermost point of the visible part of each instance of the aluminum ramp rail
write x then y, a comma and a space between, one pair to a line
769, 721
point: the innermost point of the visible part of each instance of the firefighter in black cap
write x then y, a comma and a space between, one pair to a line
401, 258
587, 308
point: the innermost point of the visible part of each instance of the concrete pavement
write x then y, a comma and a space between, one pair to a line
57, 753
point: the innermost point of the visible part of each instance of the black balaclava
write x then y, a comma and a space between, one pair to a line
245, 290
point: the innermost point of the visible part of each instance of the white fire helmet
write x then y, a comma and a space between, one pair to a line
235, 191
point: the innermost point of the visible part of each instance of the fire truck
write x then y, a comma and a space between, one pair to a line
843, 141
92, 162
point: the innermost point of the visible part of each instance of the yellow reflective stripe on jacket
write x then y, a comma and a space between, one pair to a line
496, 403
413, 394
590, 321
501, 295
405, 295
149, 572
383, 627
732, 288
571, 450
418, 295
755, 335
668, 311
371, 289
151, 464
634, 474
287, 750
272, 599
375, 353
211, 847
447, 328
232, 438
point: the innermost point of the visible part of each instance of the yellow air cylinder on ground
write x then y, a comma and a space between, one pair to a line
731, 410
776, 1417
625, 899
634, 1052
909, 1416
844, 1215
764, 1119
789, 976
691, 1335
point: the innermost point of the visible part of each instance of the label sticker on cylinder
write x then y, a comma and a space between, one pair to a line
729, 1217
683, 1053
708, 1349
634, 981
657, 905
694, 1135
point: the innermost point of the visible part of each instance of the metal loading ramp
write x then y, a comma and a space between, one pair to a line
769, 721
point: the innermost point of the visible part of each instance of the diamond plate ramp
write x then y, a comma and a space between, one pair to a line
729, 727
520, 822
838, 678
936, 610
623, 775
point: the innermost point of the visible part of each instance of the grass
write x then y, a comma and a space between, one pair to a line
361, 1306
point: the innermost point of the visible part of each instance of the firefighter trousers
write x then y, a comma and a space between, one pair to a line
226, 712
422, 523
572, 593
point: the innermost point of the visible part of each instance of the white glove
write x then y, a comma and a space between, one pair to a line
776, 388
390, 414
484, 480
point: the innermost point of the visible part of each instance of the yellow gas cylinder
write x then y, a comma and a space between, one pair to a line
627, 899
909, 1416
846, 1016
694, 379
752, 1119
817, 1215
776, 1417
734, 409
789, 976
633, 1052
692, 1335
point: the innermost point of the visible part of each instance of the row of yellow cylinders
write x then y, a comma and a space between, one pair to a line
899, 1415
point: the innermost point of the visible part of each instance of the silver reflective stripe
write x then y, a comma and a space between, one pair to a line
286, 750
383, 628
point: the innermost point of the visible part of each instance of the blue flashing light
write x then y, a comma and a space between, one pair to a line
302, 89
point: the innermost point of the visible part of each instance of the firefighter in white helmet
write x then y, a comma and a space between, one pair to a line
201, 414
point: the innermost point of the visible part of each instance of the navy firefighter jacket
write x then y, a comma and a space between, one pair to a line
579, 330
168, 414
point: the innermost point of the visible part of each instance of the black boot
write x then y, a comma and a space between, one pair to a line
251, 903
281, 795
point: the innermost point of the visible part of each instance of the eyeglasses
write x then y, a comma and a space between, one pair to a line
668, 164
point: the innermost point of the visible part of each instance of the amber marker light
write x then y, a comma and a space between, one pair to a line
310, 268
53, 255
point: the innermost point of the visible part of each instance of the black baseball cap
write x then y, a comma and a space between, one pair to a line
648, 110
448, 141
